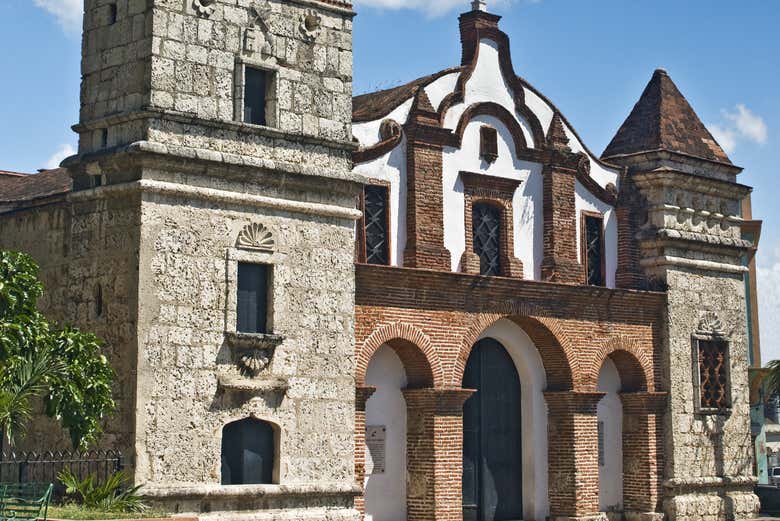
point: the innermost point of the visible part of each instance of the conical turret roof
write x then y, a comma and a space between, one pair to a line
663, 119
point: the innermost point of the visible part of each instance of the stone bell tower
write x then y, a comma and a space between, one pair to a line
214, 196
680, 232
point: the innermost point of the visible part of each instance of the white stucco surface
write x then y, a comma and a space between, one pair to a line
584, 200
367, 133
386, 493
391, 167
439, 89
610, 412
527, 200
487, 84
534, 415
602, 175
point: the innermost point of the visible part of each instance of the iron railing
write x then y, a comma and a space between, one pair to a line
43, 467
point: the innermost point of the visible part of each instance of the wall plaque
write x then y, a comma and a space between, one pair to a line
375, 449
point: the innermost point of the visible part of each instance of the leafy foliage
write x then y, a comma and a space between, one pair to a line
64, 366
115, 495
773, 378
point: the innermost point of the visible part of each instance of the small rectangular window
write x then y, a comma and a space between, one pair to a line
111, 14
376, 224
255, 87
713, 375
593, 250
488, 144
252, 298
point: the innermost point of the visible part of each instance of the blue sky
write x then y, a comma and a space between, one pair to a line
592, 58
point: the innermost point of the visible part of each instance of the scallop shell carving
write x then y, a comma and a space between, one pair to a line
256, 237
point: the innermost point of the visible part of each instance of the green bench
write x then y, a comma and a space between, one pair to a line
24, 501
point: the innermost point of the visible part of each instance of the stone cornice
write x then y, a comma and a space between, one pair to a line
699, 264
651, 156
186, 118
677, 178
182, 154
213, 195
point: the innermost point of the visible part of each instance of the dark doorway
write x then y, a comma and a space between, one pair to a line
492, 458
248, 452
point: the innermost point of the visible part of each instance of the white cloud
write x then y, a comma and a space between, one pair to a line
69, 13
737, 126
768, 287
726, 137
748, 124
56, 158
431, 8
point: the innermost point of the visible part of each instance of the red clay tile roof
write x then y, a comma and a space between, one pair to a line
17, 188
663, 119
11, 174
375, 105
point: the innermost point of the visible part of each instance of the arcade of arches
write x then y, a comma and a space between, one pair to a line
517, 414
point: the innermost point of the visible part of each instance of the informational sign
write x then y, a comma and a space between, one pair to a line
375, 449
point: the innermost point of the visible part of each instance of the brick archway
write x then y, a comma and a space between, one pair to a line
413, 347
546, 335
633, 362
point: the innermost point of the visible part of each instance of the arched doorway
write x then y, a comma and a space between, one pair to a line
385, 481
609, 414
492, 436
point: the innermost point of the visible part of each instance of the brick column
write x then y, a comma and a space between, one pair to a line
362, 394
434, 453
643, 446
425, 141
573, 455
560, 263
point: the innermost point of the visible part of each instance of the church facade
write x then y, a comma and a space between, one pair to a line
431, 302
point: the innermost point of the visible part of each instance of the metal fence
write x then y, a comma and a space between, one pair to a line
29, 467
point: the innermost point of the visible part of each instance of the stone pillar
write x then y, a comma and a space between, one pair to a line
362, 394
572, 431
643, 445
434, 452
560, 263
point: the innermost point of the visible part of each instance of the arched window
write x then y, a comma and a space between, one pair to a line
248, 452
486, 226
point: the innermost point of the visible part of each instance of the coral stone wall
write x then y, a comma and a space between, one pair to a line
87, 249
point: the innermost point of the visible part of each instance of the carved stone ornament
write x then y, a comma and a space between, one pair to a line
310, 25
257, 37
255, 236
204, 8
710, 324
252, 363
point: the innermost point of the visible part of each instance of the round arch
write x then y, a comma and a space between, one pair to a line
632, 362
489, 108
412, 346
543, 332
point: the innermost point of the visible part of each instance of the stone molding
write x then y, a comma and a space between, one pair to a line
223, 124
252, 491
214, 195
671, 260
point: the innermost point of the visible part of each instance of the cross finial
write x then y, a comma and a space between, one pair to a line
479, 5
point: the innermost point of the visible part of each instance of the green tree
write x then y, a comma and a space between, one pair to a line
773, 377
62, 365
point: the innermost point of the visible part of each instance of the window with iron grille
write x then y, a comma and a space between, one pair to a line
713, 375
488, 144
593, 237
252, 298
376, 227
486, 226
